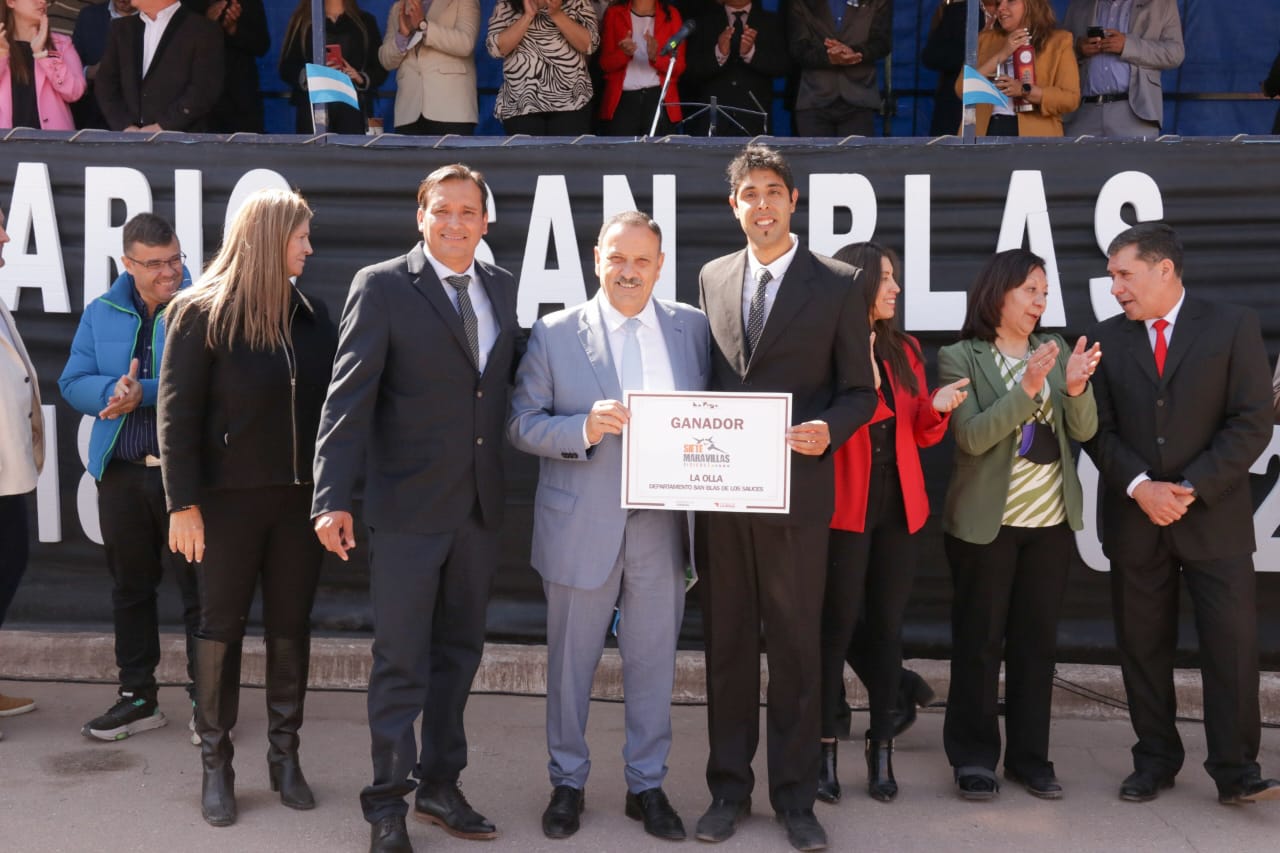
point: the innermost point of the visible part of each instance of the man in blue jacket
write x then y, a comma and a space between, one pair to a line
113, 375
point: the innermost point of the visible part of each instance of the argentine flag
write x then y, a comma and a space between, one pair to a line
980, 90
330, 86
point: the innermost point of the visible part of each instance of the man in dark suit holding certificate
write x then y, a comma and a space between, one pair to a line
1184, 409
782, 320
427, 346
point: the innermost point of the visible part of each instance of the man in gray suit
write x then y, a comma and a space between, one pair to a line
592, 553
417, 403
1123, 45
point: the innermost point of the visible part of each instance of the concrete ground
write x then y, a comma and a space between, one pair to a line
62, 792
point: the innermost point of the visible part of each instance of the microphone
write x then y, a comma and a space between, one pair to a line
681, 34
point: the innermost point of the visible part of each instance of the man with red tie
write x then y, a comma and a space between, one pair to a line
1184, 409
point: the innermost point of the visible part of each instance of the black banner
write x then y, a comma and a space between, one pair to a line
946, 207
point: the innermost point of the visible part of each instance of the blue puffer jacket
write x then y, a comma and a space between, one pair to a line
100, 355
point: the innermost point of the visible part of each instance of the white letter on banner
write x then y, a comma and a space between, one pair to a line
48, 506
249, 183
618, 198
31, 213
849, 191
483, 251
1027, 212
551, 217
1137, 189
188, 217
87, 491
104, 242
922, 308
1088, 538
1267, 517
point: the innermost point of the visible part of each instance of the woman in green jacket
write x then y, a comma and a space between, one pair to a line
1012, 504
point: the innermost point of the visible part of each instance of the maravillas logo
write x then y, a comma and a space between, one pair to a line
703, 452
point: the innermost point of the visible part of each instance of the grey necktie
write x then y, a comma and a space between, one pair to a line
755, 317
632, 360
470, 327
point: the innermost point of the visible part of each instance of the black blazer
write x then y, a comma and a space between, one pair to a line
747, 85
240, 106
815, 344
231, 418
1205, 420
182, 84
405, 392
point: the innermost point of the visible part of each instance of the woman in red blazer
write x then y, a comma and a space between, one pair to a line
880, 504
631, 35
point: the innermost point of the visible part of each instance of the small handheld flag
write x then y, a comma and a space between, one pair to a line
329, 86
980, 90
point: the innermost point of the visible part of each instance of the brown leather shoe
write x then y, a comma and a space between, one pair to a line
443, 804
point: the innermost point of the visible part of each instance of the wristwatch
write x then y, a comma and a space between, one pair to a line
422, 25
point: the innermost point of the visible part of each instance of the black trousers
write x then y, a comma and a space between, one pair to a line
761, 574
135, 534
869, 572
634, 114
250, 534
14, 548
1145, 603
424, 126
429, 596
836, 120
562, 123
1007, 599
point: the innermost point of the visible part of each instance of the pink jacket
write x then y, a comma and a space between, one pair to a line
59, 81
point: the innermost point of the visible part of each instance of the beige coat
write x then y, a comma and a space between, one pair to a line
436, 78
20, 461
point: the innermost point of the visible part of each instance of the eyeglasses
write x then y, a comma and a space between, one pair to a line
174, 263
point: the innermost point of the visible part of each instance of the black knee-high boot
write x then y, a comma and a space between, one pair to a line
217, 705
288, 660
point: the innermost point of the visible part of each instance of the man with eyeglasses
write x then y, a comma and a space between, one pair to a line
113, 375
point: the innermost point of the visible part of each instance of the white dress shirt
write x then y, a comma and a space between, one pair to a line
486, 322
778, 268
152, 31
1171, 318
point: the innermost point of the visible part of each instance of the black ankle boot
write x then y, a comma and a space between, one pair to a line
217, 705
288, 660
828, 780
880, 782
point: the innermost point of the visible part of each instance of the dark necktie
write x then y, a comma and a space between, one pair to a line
735, 40
470, 327
755, 317
1162, 344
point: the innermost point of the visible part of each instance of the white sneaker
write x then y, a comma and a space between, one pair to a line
191, 726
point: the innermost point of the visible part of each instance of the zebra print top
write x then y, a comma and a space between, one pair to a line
544, 73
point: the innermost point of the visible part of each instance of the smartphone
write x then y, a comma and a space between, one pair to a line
332, 54
1096, 33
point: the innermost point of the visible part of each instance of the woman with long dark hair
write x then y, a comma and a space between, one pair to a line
880, 504
40, 72
246, 366
1012, 504
354, 32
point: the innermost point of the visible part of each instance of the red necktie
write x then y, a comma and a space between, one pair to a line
1162, 345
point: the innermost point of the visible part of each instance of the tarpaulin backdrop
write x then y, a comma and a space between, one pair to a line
945, 206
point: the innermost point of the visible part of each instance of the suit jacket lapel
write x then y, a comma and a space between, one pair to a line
170, 32
424, 279
985, 356
793, 295
677, 346
724, 312
1140, 351
1182, 340
595, 343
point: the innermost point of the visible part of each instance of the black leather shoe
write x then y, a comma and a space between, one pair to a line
560, 820
803, 830
881, 785
1250, 789
721, 819
660, 819
828, 776
978, 786
443, 804
1044, 785
389, 835
1142, 786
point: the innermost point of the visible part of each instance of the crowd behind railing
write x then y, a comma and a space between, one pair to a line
574, 67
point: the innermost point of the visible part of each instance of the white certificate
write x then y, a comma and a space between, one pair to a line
721, 452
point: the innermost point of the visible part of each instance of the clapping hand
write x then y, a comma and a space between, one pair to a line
1081, 365
628, 46
946, 398
748, 43
651, 45
126, 396
1038, 367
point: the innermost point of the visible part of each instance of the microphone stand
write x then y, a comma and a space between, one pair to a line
714, 112
666, 82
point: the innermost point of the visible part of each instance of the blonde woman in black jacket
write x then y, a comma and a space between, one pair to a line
246, 365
